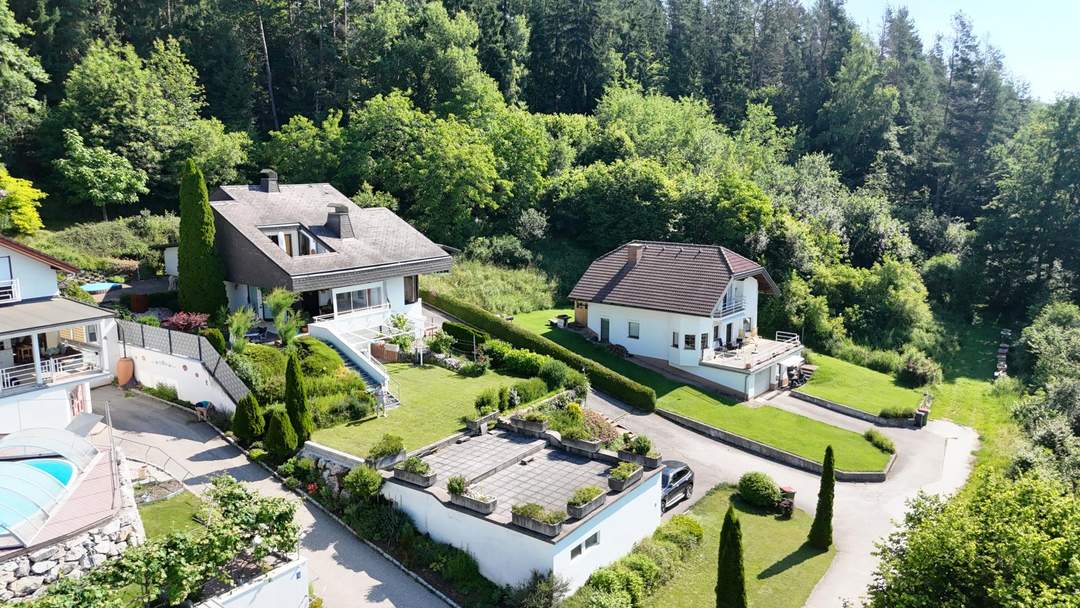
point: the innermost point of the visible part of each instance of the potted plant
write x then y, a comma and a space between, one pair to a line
531, 421
415, 471
639, 449
578, 439
623, 475
536, 518
388, 451
465, 497
473, 424
584, 501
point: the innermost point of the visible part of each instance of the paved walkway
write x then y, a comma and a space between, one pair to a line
936, 459
346, 573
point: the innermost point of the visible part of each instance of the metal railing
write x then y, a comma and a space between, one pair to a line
52, 369
189, 346
17, 375
787, 337
9, 291
356, 312
731, 308
153, 456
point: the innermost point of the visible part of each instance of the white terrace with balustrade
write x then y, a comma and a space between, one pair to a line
52, 349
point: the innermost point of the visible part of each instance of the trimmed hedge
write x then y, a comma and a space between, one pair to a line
602, 378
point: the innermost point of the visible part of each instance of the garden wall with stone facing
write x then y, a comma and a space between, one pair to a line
24, 577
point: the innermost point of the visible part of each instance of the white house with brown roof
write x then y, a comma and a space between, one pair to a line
692, 308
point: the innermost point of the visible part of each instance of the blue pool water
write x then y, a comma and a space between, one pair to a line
59, 468
96, 287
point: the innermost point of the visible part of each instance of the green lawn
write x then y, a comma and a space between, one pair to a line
781, 570
790, 432
858, 387
433, 400
170, 515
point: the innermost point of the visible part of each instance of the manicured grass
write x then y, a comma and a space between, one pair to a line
781, 570
858, 387
433, 400
778, 428
171, 515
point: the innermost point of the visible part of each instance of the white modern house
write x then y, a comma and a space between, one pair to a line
693, 308
513, 469
52, 349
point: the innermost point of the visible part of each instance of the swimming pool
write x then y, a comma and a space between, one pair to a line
99, 287
59, 468
30, 490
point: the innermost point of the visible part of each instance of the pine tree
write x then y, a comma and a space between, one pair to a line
296, 399
248, 422
730, 572
280, 440
821, 530
202, 287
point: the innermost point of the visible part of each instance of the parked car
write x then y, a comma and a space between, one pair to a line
676, 482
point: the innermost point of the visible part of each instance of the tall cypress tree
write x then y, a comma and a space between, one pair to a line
821, 531
730, 572
202, 286
249, 422
296, 399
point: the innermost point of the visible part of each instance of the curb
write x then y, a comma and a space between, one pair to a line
839, 408
416, 577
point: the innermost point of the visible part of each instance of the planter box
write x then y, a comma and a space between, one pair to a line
536, 526
472, 504
424, 481
388, 461
474, 425
621, 484
533, 426
587, 446
628, 456
580, 511
652, 462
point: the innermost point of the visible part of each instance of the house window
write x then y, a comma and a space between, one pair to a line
704, 341
633, 330
91, 333
674, 339
690, 342
589, 543
412, 289
592, 541
358, 299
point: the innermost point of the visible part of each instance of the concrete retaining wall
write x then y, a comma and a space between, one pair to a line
854, 413
774, 454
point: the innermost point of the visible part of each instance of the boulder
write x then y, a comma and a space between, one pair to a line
43, 566
44, 554
26, 585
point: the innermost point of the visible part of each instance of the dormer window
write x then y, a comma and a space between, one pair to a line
295, 240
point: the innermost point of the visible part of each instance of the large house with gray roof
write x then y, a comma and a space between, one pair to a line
689, 309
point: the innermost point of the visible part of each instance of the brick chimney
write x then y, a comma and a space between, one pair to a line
268, 180
633, 253
339, 223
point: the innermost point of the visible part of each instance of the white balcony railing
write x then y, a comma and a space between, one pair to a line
356, 312
52, 370
730, 308
9, 291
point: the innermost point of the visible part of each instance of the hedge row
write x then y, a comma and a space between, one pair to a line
464, 336
602, 378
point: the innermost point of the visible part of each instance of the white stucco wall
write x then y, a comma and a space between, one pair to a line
46, 407
283, 587
655, 331
619, 526
505, 557
190, 379
36, 280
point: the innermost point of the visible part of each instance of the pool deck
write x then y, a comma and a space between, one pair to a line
95, 500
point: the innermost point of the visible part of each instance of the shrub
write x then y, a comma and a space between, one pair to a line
884, 361
216, 339
189, 322
577, 382
487, 401
292, 483
508, 398
554, 373
683, 531
602, 378
257, 454
640, 445
281, 440
534, 511
623, 471
337, 384
529, 390
332, 410
363, 483
880, 441
599, 427
465, 336
665, 554
472, 369
592, 597
645, 568
919, 369
440, 342
521, 362
415, 465
575, 433
150, 320
584, 495
541, 591
317, 358
631, 582
496, 350
503, 250
387, 445
897, 412
759, 489
456, 485
248, 423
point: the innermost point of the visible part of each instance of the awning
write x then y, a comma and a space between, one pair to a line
37, 315
792, 361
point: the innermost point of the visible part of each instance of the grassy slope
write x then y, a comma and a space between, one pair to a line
433, 400
170, 515
775, 427
858, 387
781, 570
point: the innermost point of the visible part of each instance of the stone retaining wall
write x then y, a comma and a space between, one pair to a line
25, 577
774, 454
840, 408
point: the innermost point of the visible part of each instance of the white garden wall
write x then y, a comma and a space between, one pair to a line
188, 376
283, 587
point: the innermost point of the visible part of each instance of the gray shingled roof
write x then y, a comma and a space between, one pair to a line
47, 312
672, 277
385, 245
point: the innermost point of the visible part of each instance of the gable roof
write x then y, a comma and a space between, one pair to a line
671, 277
384, 244
40, 256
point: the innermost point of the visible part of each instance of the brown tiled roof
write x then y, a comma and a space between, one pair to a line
672, 277
40, 256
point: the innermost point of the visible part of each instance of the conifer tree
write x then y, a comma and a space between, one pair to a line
248, 422
202, 287
281, 440
730, 572
821, 531
296, 399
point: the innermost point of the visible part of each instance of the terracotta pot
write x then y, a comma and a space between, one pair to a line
125, 370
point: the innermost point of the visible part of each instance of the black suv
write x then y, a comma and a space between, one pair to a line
677, 483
